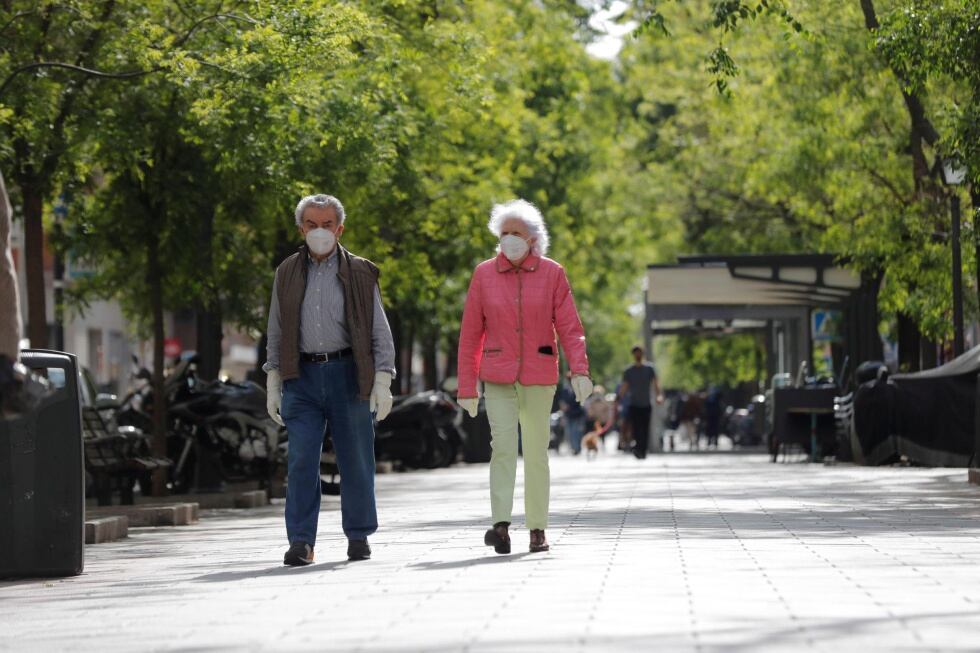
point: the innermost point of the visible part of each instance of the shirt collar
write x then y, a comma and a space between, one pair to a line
329, 260
529, 264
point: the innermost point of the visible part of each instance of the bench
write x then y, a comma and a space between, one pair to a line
116, 458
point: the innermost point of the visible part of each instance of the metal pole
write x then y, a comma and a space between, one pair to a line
958, 345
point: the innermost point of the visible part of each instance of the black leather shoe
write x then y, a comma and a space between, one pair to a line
498, 537
358, 550
299, 554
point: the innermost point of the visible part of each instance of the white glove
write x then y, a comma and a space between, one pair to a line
582, 387
381, 395
273, 396
470, 404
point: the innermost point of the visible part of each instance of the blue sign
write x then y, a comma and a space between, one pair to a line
825, 325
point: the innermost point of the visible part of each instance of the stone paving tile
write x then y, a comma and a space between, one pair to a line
702, 552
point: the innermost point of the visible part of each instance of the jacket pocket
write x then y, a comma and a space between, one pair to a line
490, 353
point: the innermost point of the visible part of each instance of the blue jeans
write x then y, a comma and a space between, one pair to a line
327, 392
576, 429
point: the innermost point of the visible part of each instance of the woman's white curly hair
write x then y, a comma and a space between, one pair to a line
526, 212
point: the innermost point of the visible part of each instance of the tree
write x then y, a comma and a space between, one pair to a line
48, 93
188, 171
805, 148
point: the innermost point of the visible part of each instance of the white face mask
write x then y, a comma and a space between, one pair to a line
320, 241
514, 247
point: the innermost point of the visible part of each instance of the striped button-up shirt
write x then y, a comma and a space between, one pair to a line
323, 322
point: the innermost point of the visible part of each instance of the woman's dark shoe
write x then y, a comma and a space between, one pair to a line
498, 537
538, 541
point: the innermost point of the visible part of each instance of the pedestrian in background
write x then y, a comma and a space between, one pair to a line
713, 410
623, 419
574, 415
515, 305
640, 379
331, 358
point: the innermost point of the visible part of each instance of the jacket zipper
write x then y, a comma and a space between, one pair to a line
520, 325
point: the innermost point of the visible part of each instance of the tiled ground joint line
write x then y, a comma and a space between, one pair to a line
590, 622
688, 590
916, 568
800, 627
843, 573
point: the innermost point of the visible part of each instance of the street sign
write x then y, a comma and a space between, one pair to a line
825, 325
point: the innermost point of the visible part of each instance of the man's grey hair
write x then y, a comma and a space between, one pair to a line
527, 213
323, 201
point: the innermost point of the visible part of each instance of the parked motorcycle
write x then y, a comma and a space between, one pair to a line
746, 426
217, 431
422, 431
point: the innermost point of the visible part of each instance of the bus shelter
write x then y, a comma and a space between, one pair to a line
791, 300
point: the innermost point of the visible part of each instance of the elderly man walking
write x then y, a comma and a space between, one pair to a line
331, 359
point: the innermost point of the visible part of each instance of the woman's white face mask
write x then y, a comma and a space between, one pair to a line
320, 240
514, 247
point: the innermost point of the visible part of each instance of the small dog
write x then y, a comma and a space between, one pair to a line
590, 442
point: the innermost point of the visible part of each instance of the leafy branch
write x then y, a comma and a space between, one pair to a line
129, 74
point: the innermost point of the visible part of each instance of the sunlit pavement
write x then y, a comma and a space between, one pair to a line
719, 551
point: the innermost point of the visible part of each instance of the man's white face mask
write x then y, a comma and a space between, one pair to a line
514, 247
320, 241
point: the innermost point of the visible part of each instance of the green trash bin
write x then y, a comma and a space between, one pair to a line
42, 477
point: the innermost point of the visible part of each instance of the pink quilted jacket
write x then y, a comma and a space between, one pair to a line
509, 325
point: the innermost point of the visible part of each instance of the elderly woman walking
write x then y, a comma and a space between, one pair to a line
516, 303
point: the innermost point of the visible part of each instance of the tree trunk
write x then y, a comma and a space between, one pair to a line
209, 337
452, 352
429, 368
403, 336
930, 357
975, 202
405, 374
909, 344
155, 283
37, 319
10, 318
209, 332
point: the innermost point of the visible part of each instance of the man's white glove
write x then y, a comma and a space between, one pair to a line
470, 404
582, 387
273, 396
381, 395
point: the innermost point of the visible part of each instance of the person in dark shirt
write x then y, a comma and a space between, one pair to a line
638, 380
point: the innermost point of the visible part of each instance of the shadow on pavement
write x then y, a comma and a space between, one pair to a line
472, 562
279, 570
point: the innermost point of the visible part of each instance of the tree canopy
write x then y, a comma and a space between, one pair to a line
181, 137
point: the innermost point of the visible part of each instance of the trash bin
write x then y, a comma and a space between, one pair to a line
42, 477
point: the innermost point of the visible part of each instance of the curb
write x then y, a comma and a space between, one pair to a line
106, 529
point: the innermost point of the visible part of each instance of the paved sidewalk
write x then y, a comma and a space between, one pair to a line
699, 552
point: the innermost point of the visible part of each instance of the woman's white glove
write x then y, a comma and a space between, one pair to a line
381, 395
470, 404
582, 387
273, 396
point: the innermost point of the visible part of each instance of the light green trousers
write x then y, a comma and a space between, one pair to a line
529, 405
